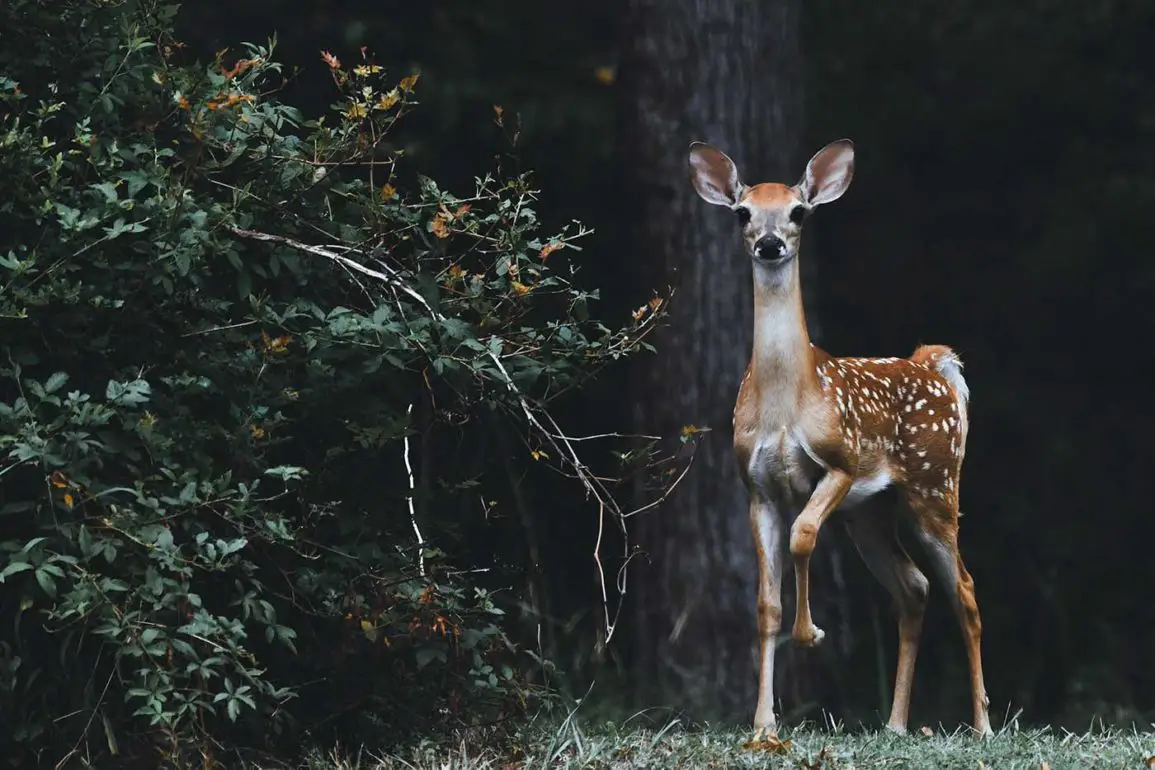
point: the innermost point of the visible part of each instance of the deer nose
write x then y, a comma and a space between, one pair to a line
770, 247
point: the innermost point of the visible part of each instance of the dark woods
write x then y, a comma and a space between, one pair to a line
1003, 184
1004, 162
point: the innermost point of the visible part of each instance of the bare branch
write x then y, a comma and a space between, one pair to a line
409, 499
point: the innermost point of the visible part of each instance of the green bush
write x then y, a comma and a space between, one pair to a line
246, 369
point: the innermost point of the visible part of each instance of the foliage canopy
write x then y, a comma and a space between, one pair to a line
234, 339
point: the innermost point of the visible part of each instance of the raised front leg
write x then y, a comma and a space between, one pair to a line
803, 534
767, 526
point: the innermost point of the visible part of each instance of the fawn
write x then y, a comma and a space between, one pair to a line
814, 434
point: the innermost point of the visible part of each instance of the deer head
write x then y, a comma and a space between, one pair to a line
771, 214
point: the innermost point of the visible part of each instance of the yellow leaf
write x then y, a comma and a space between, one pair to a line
258, 431
640, 312
440, 226
770, 745
455, 272
550, 248
275, 345
369, 630
539, 454
519, 287
388, 192
690, 430
58, 480
605, 75
408, 82
364, 70
387, 100
355, 111
68, 499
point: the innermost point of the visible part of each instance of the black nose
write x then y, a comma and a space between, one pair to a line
770, 247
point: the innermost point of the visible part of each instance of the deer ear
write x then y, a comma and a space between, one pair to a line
714, 175
828, 173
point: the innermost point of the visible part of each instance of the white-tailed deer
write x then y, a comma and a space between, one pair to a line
814, 433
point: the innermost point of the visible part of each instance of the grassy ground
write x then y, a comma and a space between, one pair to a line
673, 746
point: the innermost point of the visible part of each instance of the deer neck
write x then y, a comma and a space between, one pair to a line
782, 364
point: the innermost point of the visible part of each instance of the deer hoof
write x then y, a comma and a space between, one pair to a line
809, 637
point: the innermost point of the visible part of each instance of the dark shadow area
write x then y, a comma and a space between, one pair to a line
1005, 171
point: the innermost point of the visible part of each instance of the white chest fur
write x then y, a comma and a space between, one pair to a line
781, 464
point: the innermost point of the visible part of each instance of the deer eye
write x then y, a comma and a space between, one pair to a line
797, 214
743, 215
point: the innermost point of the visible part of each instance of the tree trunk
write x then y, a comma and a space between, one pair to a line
727, 72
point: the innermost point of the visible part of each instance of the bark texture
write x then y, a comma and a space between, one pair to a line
727, 72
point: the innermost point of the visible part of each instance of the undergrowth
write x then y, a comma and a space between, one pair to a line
635, 744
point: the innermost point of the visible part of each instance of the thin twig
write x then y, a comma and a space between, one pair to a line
213, 329
602, 573
409, 499
88, 725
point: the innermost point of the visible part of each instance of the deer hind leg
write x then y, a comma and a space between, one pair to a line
767, 527
938, 530
877, 542
831, 491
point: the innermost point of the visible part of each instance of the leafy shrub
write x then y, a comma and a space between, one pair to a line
249, 376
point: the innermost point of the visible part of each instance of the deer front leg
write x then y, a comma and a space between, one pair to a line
767, 526
803, 534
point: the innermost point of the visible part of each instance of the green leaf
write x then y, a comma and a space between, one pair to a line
132, 393
108, 190
12, 568
164, 539
84, 540
32, 544
286, 472
189, 493
47, 583
55, 382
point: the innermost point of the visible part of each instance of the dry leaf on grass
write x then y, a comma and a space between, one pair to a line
771, 745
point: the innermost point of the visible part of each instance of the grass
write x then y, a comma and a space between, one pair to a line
673, 745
